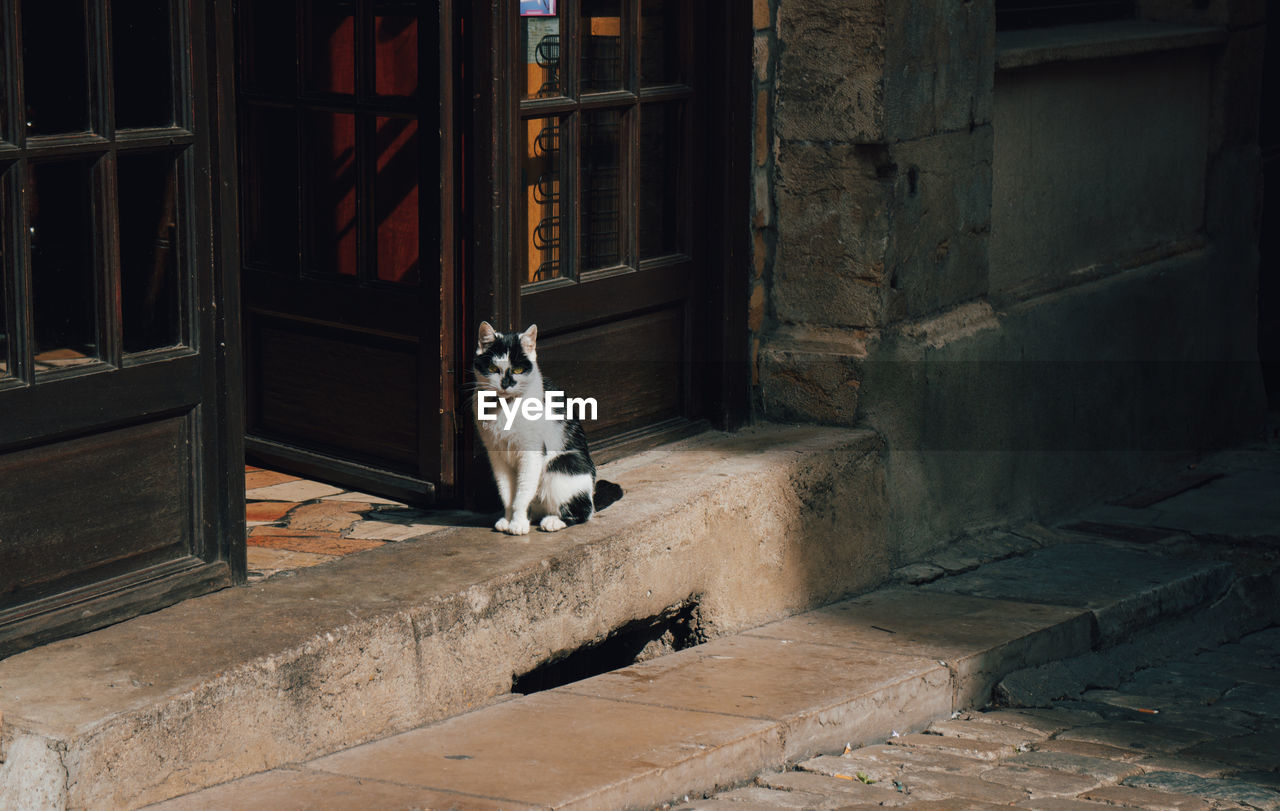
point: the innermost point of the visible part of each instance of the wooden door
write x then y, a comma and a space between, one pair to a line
342, 181
608, 188
121, 486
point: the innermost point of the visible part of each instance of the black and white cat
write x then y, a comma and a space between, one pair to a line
541, 467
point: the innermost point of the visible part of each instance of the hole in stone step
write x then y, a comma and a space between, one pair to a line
676, 628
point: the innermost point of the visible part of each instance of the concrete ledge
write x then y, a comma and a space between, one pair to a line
1069, 43
747, 527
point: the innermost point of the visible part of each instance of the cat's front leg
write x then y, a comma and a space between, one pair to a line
528, 471
503, 474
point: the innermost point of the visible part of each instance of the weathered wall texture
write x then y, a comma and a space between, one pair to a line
1037, 283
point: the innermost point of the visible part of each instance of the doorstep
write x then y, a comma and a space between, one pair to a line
735, 529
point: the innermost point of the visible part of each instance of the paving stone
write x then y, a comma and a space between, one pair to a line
331, 516
1269, 780
265, 562
1146, 798
1125, 589
1102, 769
1041, 781
258, 478
771, 798
1230, 790
386, 531
952, 787
299, 490
819, 692
1059, 804
1088, 749
916, 573
885, 762
979, 640
1260, 750
365, 498
981, 750
267, 510
288, 789
313, 541
848, 789
977, 731
1135, 736
589, 751
1046, 721
1200, 767
1130, 701
1254, 699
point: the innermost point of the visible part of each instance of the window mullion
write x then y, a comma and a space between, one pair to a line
107, 258
631, 121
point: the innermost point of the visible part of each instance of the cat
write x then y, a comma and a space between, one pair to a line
542, 467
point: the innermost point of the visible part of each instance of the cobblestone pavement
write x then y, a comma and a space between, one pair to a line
1199, 732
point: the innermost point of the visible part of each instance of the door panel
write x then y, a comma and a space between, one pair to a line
117, 495
610, 260
343, 285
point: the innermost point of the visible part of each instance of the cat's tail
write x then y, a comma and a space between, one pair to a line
606, 493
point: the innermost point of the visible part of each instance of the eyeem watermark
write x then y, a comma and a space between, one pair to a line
553, 406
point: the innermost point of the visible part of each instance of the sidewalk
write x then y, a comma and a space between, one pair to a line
1000, 609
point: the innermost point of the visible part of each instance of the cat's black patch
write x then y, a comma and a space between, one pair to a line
572, 463
504, 343
577, 510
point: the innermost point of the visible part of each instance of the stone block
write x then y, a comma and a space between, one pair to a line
1101, 769
1232, 791
809, 689
831, 70
975, 731
1134, 736
1145, 798
979, 750
941, 218
762, 127
811, 375
884, 763
761, 19
1040, 782
844, 790
877, 72
834, 206
1126, 590
943, 786
760, 57
977, 639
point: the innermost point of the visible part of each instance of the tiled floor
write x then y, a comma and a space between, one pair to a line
295, 523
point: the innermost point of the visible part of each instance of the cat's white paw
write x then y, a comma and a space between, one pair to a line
502, 524
551, 523
518, 526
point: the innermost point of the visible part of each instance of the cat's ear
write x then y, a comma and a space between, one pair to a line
529, 342
487, 337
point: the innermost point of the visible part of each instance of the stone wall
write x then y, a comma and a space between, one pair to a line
1037, 284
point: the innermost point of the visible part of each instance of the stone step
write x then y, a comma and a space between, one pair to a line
884, 664
731, 530
870, 668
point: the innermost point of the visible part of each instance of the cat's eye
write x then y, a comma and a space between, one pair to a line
517, 370
493, 367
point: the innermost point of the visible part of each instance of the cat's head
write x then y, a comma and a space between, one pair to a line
506, 362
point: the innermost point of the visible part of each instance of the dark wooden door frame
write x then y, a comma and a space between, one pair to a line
494, 295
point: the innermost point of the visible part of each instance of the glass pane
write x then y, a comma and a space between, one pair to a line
541, 178
661, 173
62, 263
661, 27
270, 192
601, 188
331, 193
149, 249
332, 67
143, 68
541, 66
269, 57
396, 200
396, 50
6, 70
601, 45
56, 77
